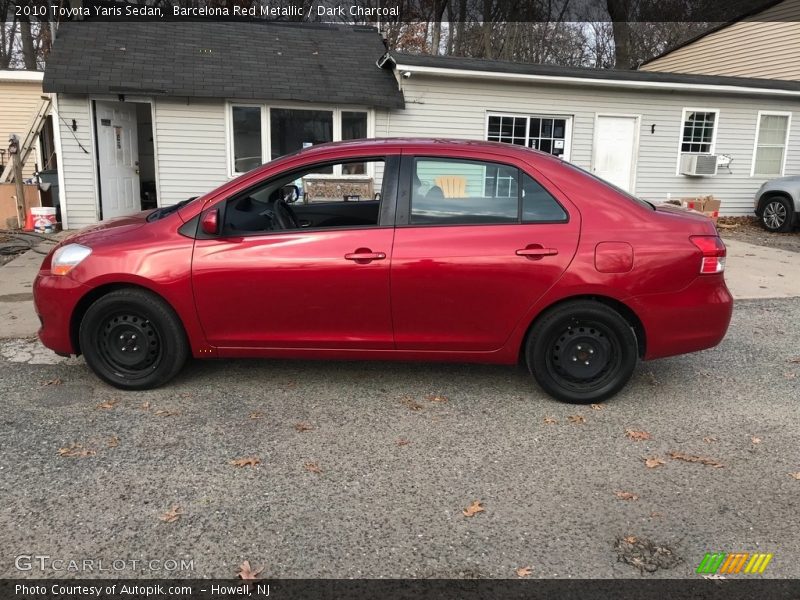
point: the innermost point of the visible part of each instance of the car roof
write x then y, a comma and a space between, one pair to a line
420, 145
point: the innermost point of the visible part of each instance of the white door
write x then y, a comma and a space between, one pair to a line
118, 158
615, 149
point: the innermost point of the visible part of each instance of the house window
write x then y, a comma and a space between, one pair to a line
246, 126
547, 133
699, 131
772, 134
293, 129
260, 133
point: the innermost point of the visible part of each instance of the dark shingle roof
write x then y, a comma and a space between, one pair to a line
334, 64
502, 66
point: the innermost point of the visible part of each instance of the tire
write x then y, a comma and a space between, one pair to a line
127, 317
581, 352
777, 214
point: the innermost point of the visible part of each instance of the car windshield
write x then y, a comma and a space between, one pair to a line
162, 212
611, 185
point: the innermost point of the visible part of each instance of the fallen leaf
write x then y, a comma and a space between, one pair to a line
626, 495
410, 403
164, 412
256, 415
402, 442
112, 442
523, 572
172, 515
250, 461
638, 436
108, 404
245, 571
597, 406
76, 451
56, 381
695, 459
312, 467
790, 375
146, 405
631, 539
303, 426
795, 360
550, 421
709, 439
577, 419
437, 398
653, 462
755, 440
651, 379
473, 509
655, 515
795, 475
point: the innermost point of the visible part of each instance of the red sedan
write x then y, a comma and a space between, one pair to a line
394, 249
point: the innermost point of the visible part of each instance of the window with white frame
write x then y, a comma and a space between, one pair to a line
260, 133
772, 134
699, 131
548, 133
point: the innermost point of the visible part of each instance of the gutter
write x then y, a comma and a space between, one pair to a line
597, 81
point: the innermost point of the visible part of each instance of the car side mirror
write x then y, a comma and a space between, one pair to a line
209, 223
290, 193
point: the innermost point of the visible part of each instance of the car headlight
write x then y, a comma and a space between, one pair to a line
68, 257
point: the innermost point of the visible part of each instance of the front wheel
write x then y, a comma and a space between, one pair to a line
581, 352
776, 215
133, 340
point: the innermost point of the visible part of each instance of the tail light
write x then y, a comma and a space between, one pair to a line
713, 253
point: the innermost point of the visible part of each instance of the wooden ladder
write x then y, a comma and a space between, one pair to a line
30, 139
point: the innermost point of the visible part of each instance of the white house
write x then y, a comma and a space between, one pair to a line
195, 103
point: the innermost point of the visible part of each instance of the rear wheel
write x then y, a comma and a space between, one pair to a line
133, 340
777, 214
581, 352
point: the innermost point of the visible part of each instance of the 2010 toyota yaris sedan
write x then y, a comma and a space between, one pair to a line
396, 249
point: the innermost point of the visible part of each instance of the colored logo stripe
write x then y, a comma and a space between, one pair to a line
733, 563
758, 563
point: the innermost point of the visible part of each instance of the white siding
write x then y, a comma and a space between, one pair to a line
190, 147
78, 196
457, 108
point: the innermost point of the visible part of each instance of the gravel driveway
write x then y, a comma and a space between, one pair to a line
365, 469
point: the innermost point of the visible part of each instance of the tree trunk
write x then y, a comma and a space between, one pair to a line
619, 11
28, 50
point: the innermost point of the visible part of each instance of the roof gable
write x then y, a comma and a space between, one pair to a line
331, 64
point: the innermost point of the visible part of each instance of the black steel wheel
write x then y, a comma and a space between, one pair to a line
581, 352
133, 340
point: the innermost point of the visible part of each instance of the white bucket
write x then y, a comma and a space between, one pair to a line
44, 219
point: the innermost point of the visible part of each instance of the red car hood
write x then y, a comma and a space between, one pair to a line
101, 231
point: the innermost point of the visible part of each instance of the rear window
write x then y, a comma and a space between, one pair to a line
628, 195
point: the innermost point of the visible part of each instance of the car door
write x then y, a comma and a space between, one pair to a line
477, 244
313, 287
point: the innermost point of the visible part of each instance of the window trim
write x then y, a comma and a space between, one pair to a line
266, 133
775, 113
405, 184
682, 124
528, 116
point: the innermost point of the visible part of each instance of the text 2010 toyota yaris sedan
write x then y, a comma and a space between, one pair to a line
394, 249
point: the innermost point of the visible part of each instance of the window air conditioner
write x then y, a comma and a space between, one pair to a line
698, 165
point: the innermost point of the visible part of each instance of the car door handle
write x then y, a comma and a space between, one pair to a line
364, 255
536, 252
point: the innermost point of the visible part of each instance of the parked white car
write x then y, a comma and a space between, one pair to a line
777, 203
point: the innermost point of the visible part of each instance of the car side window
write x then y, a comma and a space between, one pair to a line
538, 205
340, 194
463, 192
